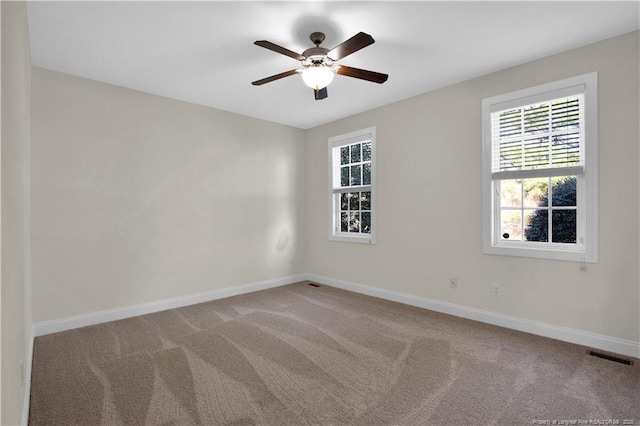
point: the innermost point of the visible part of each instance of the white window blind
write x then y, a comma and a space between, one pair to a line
540, 163
539, 139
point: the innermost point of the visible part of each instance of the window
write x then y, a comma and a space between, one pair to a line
352, 187
540, 171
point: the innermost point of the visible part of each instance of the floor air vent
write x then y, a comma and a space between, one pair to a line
314, 285
611, 358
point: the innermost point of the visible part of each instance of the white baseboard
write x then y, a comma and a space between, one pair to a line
54, 326
592, 340
606, 343
27, 379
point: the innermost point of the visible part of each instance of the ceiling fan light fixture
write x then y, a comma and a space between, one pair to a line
317, 76
319, 64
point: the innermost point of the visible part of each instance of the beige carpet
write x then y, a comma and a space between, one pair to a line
305, 355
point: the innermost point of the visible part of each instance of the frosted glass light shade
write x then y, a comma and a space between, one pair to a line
317, 76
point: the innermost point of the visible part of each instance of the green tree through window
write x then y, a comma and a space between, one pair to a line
563, 221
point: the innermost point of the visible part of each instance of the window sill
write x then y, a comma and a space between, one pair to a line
364, 239
543, 253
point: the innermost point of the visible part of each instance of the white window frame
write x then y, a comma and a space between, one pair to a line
586, 247
368, 134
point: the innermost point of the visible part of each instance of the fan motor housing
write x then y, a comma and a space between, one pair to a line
315, 51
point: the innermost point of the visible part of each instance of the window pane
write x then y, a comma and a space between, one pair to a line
344, 201
366, 174
511, 193
565, 149
563, 191
344, 222
366, 223
354, 222
541, 135
356, 172
536, 192
565, 113
355, 153
511, 225
511, 155
563, 224
536, 118
344, 176
536, 225
365, 200
344, 155
354, 202
366, 151
510, 123
536, 153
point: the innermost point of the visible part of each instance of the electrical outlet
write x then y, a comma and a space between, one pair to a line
453, 283
495, 290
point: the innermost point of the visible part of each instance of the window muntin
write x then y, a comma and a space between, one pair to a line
540, 171
352, 191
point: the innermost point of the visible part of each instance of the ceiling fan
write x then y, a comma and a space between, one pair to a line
319, 64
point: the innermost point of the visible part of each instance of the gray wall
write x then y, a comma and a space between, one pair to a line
16, 128
429, 173
139, 198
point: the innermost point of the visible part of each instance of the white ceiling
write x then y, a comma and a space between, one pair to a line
203, 52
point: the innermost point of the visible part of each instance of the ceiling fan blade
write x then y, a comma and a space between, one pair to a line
320, 94
355, 43
274, 77
279, 49
373, 76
